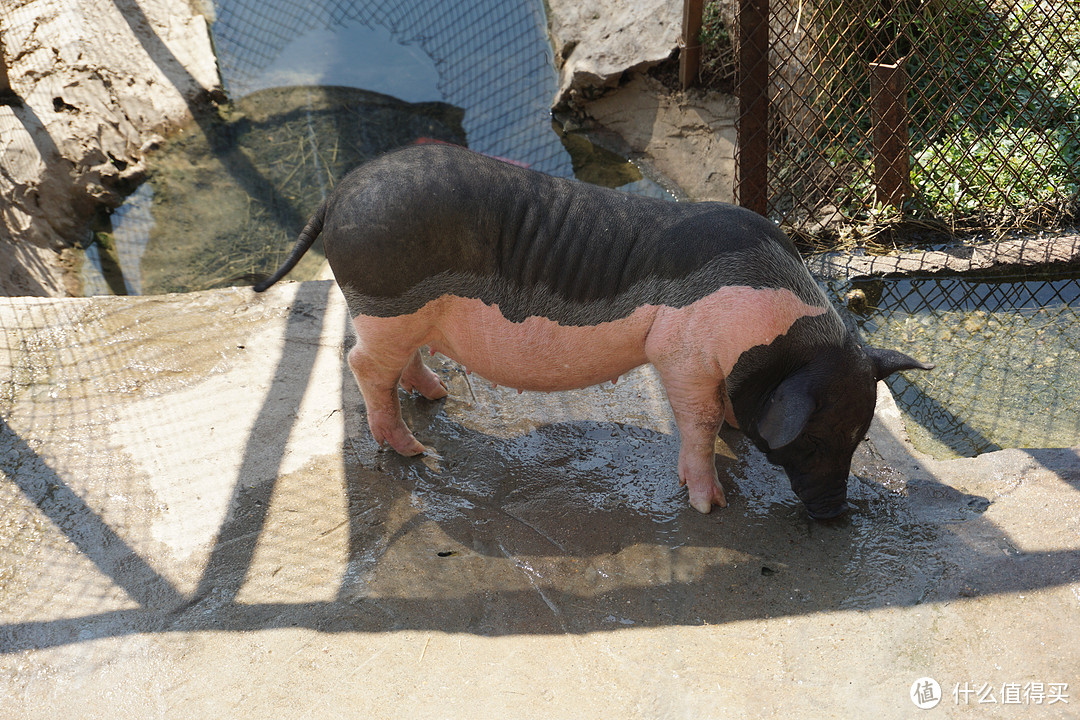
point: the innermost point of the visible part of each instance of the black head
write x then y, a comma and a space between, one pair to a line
811, 423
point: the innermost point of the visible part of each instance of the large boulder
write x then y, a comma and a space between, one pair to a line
98, 80
597, 41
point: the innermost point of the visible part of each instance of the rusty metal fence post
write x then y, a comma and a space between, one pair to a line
889, 126
752, 151
690, 43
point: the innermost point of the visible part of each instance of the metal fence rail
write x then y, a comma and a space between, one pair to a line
963, 111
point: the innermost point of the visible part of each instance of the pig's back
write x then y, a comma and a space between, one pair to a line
432, 220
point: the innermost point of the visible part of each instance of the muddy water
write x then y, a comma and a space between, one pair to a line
568, 504
228, 194
1006, 349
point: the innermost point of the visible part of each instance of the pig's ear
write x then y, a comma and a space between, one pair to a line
786, 412
886, 362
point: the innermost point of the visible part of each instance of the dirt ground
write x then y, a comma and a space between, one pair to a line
195, 522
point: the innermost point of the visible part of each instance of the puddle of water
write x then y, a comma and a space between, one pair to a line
1006, 351
227, 195
131, 227
536, 450
314, 96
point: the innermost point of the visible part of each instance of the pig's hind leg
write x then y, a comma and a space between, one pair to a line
378, 368
419, 377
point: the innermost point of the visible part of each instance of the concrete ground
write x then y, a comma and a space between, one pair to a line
195, 522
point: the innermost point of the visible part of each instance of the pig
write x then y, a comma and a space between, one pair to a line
542, 283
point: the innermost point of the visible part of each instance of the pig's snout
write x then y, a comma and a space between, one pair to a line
825, 505
827, 511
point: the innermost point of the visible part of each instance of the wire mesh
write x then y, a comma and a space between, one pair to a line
965, 113
78, 525
983, 116
492, 64
1006, 350
80, 536
493, 59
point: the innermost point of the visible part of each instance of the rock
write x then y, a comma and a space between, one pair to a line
856, 301
602, 47
596, 41
98, 79
688, 136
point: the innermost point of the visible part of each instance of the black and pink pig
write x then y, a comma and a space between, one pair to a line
541, 283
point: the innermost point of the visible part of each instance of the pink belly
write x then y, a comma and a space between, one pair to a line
538, 354
699, 342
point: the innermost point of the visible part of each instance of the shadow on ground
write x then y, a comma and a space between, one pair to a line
536, 513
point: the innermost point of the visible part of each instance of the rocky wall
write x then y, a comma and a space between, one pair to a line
99, 82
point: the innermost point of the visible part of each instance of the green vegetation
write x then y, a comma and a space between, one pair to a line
993, 107
717, 50
1004, 111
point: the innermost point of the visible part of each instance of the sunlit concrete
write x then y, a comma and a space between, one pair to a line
195, 522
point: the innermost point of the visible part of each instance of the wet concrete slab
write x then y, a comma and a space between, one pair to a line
194, 522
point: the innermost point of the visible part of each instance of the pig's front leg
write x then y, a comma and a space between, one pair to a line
698, 404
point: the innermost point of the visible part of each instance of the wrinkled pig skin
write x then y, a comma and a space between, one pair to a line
541, 283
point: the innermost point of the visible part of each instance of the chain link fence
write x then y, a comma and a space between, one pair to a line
1006, 349
81, 531
868, 121
492, 57
493, 62
964, 114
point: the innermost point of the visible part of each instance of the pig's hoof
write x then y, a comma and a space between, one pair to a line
702, 499
420, 378
430, 386
702, 506
410, 451
409, 448
436, 393
399, 438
